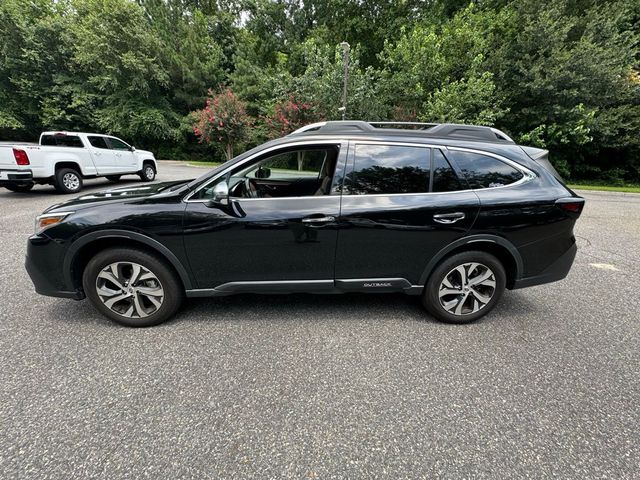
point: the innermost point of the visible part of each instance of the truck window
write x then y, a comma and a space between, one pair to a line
61, 141
118, 144
98, 142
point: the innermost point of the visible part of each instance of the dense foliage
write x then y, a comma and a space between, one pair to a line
561, 74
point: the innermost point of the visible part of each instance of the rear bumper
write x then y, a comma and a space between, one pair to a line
44, 268
15, 177
554, 272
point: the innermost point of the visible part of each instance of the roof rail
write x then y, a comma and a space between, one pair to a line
441, 130
422, 125
341, 126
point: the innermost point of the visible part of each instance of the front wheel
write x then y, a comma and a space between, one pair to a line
464, 287
21, 188
67, 180
132, 287
148, 173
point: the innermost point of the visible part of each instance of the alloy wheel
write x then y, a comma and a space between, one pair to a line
149, 172
71, 181
129, 289
467, 288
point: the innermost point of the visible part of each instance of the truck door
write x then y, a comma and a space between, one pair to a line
125, 158
103, 157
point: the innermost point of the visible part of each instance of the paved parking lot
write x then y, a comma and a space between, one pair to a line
347, 386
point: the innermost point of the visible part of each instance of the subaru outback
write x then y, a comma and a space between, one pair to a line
455, 214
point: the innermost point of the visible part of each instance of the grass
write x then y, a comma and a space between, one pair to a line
630, 188
197, 163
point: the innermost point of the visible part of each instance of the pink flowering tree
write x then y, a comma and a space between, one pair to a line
223, 121
289, 115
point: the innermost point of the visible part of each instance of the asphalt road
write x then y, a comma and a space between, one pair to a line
348, 386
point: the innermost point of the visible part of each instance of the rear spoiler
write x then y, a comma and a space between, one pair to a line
541, 157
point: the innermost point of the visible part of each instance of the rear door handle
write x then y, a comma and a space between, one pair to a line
319, 219
448, 218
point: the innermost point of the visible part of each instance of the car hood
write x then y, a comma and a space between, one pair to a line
119, 194
146, 153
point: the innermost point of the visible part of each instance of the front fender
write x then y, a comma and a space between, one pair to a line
160, 249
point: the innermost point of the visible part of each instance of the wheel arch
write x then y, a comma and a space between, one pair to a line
501, 248
68, 164
151, 161
83, 249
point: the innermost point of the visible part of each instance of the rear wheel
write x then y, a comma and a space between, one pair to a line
67, 180
464, 287
113, 178
24, 187
132, 287
148, 173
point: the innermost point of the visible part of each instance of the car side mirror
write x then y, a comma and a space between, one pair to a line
220, 195
133, 149
263, 172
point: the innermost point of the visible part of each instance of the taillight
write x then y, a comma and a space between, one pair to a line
21, 156
571, 204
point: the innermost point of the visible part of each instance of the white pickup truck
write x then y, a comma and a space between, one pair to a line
63, 159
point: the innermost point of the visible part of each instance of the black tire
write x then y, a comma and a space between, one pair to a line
471, 296
113, 178
24, 187
67, 180
148, 172
163, 277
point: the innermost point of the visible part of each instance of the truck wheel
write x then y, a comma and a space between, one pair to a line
67, 180
148, 173
132, 287
113, 178
24, 187
464, 287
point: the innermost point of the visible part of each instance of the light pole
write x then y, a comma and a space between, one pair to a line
345, 58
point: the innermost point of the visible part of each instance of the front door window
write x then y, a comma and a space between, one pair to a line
300, 172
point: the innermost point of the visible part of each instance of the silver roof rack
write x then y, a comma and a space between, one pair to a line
451, 130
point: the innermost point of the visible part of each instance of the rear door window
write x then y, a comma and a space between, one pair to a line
61, 141
389, 169
98, 142
482, 171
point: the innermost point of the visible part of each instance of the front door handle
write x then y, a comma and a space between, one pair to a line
319, 219
448, 218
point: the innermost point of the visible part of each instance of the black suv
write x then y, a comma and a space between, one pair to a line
453, 213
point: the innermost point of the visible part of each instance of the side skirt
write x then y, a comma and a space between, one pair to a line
366, 285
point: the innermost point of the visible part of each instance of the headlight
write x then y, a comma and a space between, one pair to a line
49, 219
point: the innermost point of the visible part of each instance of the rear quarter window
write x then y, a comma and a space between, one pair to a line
482, 171
61, 141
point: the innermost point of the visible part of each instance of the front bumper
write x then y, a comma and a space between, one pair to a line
554, 272
44, 266
15, 177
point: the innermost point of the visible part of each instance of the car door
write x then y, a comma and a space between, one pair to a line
278, 228
401, 204
125, 158
104, 158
